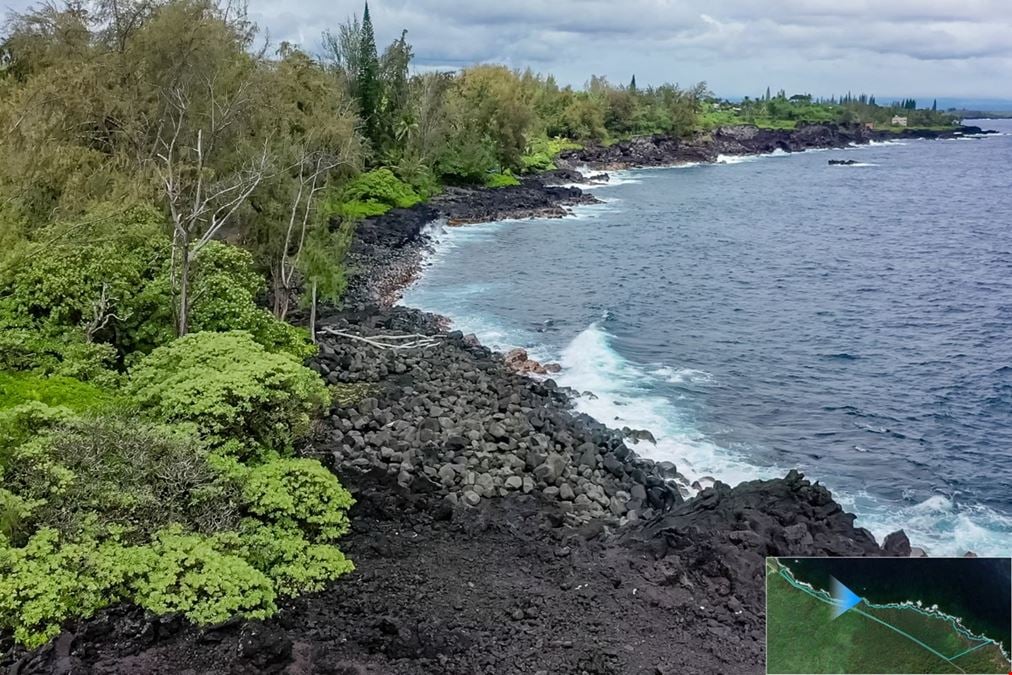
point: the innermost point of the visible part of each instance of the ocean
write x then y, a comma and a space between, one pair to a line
775, 312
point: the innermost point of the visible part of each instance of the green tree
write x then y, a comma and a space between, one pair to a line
368, 86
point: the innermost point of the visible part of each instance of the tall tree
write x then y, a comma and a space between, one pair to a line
368, 86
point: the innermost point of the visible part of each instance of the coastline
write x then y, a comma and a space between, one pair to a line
494, 524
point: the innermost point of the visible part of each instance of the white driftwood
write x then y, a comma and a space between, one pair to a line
397, 342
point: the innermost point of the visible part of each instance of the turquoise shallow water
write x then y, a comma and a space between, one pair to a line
774, 312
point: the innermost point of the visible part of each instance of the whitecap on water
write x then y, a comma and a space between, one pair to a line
939, 524
736, 159
624, 397
683, 375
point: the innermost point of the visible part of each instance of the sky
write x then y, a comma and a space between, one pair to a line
919, 48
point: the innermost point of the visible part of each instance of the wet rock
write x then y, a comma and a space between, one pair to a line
897, 544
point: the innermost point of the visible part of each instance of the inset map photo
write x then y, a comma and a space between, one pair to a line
888, 615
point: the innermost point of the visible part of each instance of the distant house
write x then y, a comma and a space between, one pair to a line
899, 121
870, 126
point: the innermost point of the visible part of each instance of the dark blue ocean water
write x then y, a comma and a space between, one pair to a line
777, 312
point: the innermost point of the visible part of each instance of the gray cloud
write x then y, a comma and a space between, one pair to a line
902, 47
893, 48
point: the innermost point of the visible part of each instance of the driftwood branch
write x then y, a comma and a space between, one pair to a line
396, 342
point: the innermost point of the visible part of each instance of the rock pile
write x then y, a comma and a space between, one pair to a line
457, 420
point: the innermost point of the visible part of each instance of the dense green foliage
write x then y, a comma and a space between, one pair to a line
17, 388
371, 194
230, 387
100, 509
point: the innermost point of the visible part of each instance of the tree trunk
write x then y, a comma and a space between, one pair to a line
312, 314
184, 290
280, 291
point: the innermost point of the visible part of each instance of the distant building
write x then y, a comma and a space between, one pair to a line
899, 121
870, 126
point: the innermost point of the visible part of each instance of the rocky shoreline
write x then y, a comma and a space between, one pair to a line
495, 530
652, 151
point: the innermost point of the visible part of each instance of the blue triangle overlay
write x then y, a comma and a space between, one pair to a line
843, 598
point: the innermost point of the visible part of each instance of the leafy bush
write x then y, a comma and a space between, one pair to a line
67, 354
468, 158
83, 279
294, 564
47, 582
119, 474
371, 194
299, 494
224, 288
230, 387
541, 154
501, 180
52, 579
187, 574
19, 388
25, 421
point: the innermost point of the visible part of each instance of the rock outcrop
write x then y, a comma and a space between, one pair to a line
662, 150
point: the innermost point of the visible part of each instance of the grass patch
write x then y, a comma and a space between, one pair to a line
55, 390
501, 180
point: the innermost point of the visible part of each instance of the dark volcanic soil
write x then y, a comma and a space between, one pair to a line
495, 530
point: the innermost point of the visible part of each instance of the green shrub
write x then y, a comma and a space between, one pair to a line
26, 421
19, 388
123, 474
542, 151
231, 388
299, 494
45, 583
82, 279
294, 564
468, 158
226, 286
15, 513
187, 574
65, 353
52, 579
501, 180
370, 194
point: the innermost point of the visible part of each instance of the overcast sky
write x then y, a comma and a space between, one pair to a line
944, 48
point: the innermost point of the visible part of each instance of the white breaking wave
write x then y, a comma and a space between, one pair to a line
616, 178
622, 396
625, 397
937, 524
736, 159
683, 375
